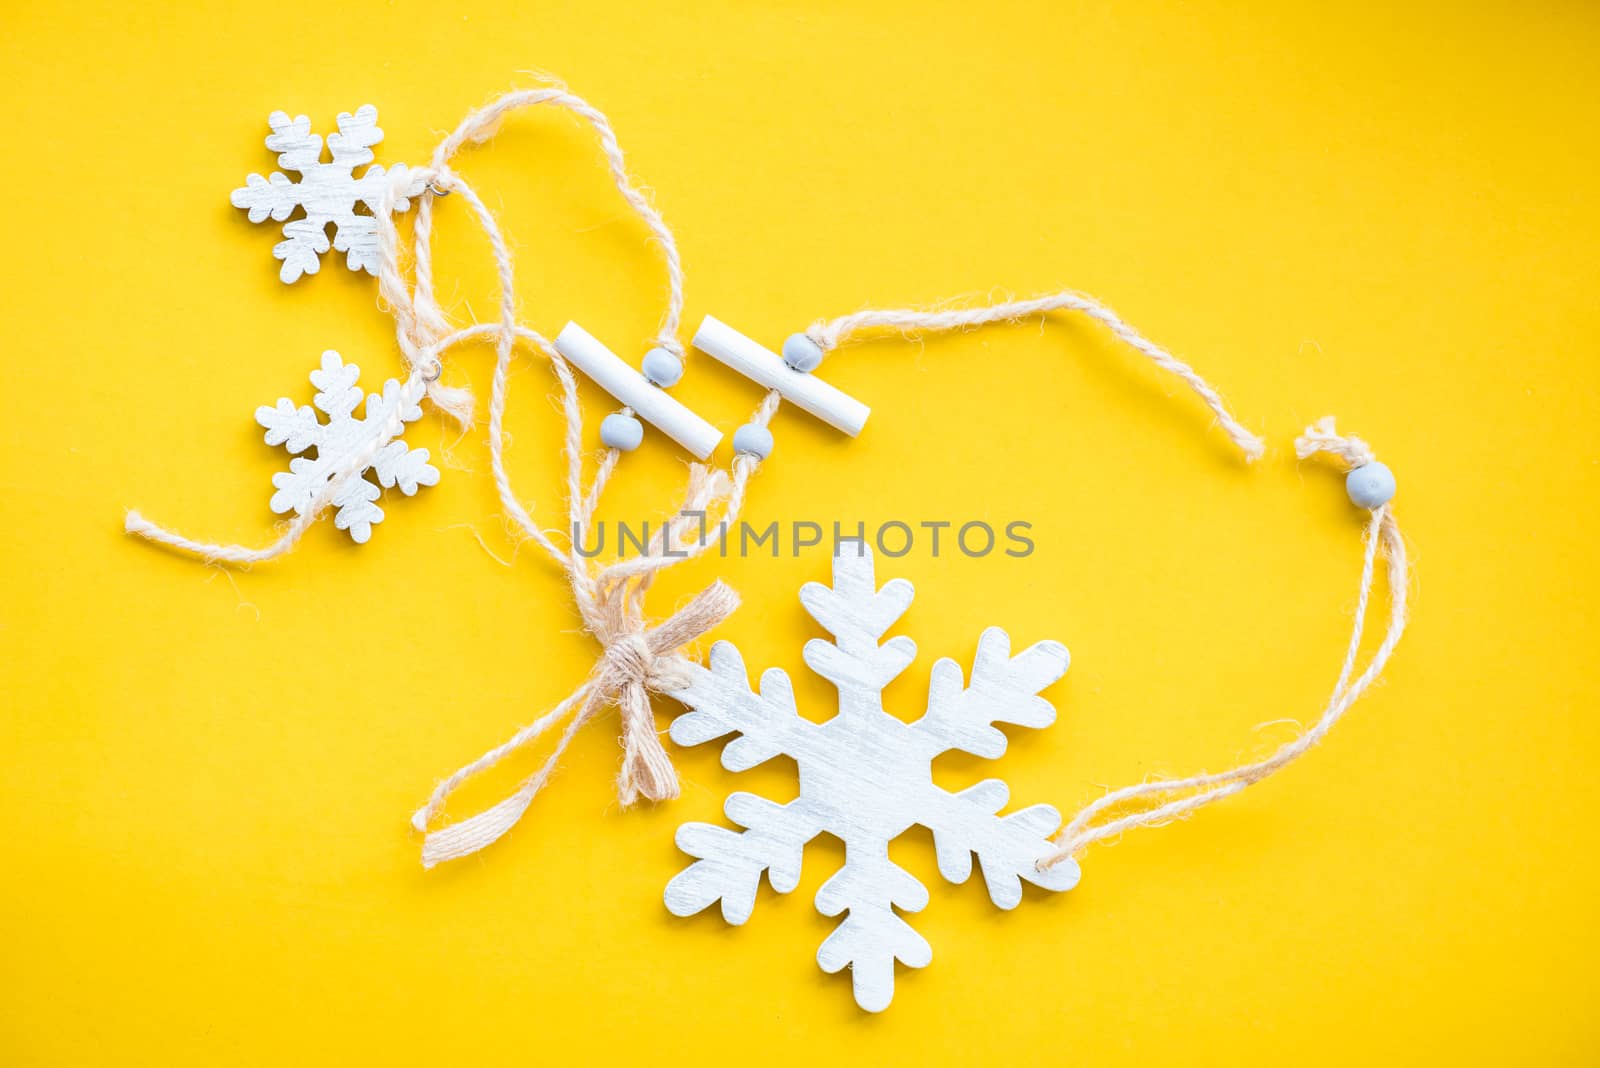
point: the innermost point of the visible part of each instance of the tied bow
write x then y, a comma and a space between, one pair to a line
639, 662
636, 662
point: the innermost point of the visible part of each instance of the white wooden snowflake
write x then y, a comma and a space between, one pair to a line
327, 193
346, 447
865, 778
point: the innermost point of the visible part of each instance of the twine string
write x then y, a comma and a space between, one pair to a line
1161, 801
635, 658
829, 334
637, 661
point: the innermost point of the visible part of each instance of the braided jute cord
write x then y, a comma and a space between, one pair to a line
1157, 802
636, 659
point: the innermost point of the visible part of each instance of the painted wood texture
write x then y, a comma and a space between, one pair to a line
865, 777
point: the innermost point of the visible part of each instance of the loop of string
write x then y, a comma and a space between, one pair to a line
1158, 802
636, 660
1162, 801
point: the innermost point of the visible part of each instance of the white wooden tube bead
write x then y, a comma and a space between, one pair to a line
765, 367
652, 404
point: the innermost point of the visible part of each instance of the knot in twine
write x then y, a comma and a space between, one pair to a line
420, 326
636, 661
1324, 437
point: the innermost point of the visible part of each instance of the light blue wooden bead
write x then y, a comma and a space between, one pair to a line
618, 431
753, 439
1370, 485
662, 368
801, 353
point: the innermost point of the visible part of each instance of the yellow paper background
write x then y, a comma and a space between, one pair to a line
1379, 213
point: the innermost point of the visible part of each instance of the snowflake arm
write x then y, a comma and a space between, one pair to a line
296, 429
1008, 847
304, 242
1004, 689
872, 937
730, 863
857, 614
271, 197
337, 393
298, 486
299, 150
400, 465
723, 703
358, 511
357, 235
351, 147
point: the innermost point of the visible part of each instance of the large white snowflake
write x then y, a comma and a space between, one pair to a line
346, 447
865, 777
327, 193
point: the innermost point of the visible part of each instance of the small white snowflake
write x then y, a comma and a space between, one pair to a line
346, 447
865, 777
327, 193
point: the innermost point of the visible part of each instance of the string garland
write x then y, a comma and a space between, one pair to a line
638, 657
